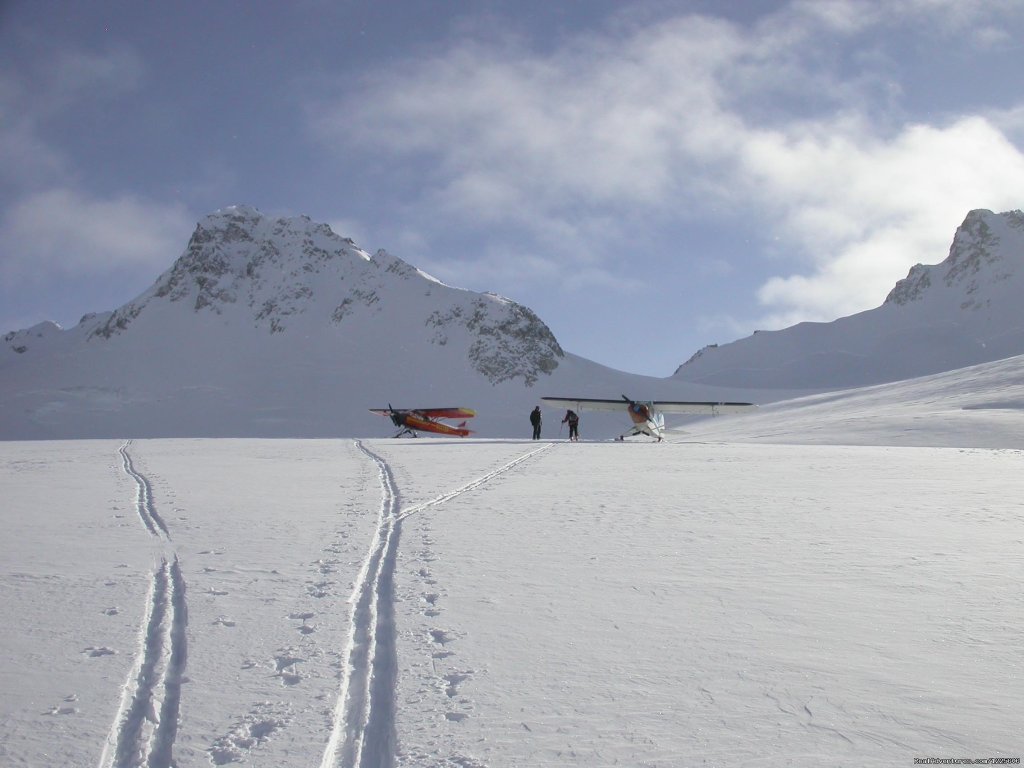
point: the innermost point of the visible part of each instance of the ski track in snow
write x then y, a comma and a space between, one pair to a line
363, 734
144, 497
146, 724
474, 483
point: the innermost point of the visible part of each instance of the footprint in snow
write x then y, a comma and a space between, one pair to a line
62, 710
67, 708
431, 601
454, 680
95, 652
249, 733
305, 629
326, 567
286, 667
440, 636
318, 590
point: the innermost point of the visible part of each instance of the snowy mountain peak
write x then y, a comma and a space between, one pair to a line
19, 341
270, 325
986, 251
237, 256
268, 273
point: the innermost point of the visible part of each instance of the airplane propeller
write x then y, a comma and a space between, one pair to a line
396, 418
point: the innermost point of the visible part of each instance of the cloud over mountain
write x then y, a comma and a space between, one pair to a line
941, 317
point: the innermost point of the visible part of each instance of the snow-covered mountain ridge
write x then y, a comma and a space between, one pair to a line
268, 327
277, 269
960, 312
280, 327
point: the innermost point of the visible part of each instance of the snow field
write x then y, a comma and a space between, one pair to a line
670, 605
275, 535
510, 603
75, 577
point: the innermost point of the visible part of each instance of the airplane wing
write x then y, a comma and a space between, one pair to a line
667, 406
447, 413
664, 406
586, 403
430, 413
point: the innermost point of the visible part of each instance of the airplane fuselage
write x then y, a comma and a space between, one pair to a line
417, 423
413, 420
645, 420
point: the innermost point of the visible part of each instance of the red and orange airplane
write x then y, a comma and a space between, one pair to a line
413, 420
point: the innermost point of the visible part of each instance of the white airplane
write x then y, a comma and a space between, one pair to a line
648, 416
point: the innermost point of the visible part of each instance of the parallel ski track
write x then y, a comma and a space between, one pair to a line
146, 724
144, 497
364, 726
474, 483
363, 734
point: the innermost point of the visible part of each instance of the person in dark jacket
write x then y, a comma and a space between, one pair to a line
535, 420
573, 420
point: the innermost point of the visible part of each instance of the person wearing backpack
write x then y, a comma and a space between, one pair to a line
573, 420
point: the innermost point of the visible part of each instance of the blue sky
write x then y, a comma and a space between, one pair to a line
649, 177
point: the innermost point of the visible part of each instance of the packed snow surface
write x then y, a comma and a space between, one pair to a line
433, 602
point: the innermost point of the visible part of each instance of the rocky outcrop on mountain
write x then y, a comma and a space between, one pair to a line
21, 341
507, 344
976, 262
238, 256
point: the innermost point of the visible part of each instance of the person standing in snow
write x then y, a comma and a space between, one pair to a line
535, 420
573, 420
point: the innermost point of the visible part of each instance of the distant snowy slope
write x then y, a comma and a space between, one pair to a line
279, 327
964, 311
981, 406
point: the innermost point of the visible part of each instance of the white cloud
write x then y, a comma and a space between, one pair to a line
863, 209
50, 224
53, 85
513, 268
65, 231
598, 122
668, 118
1010, 121
24, 157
